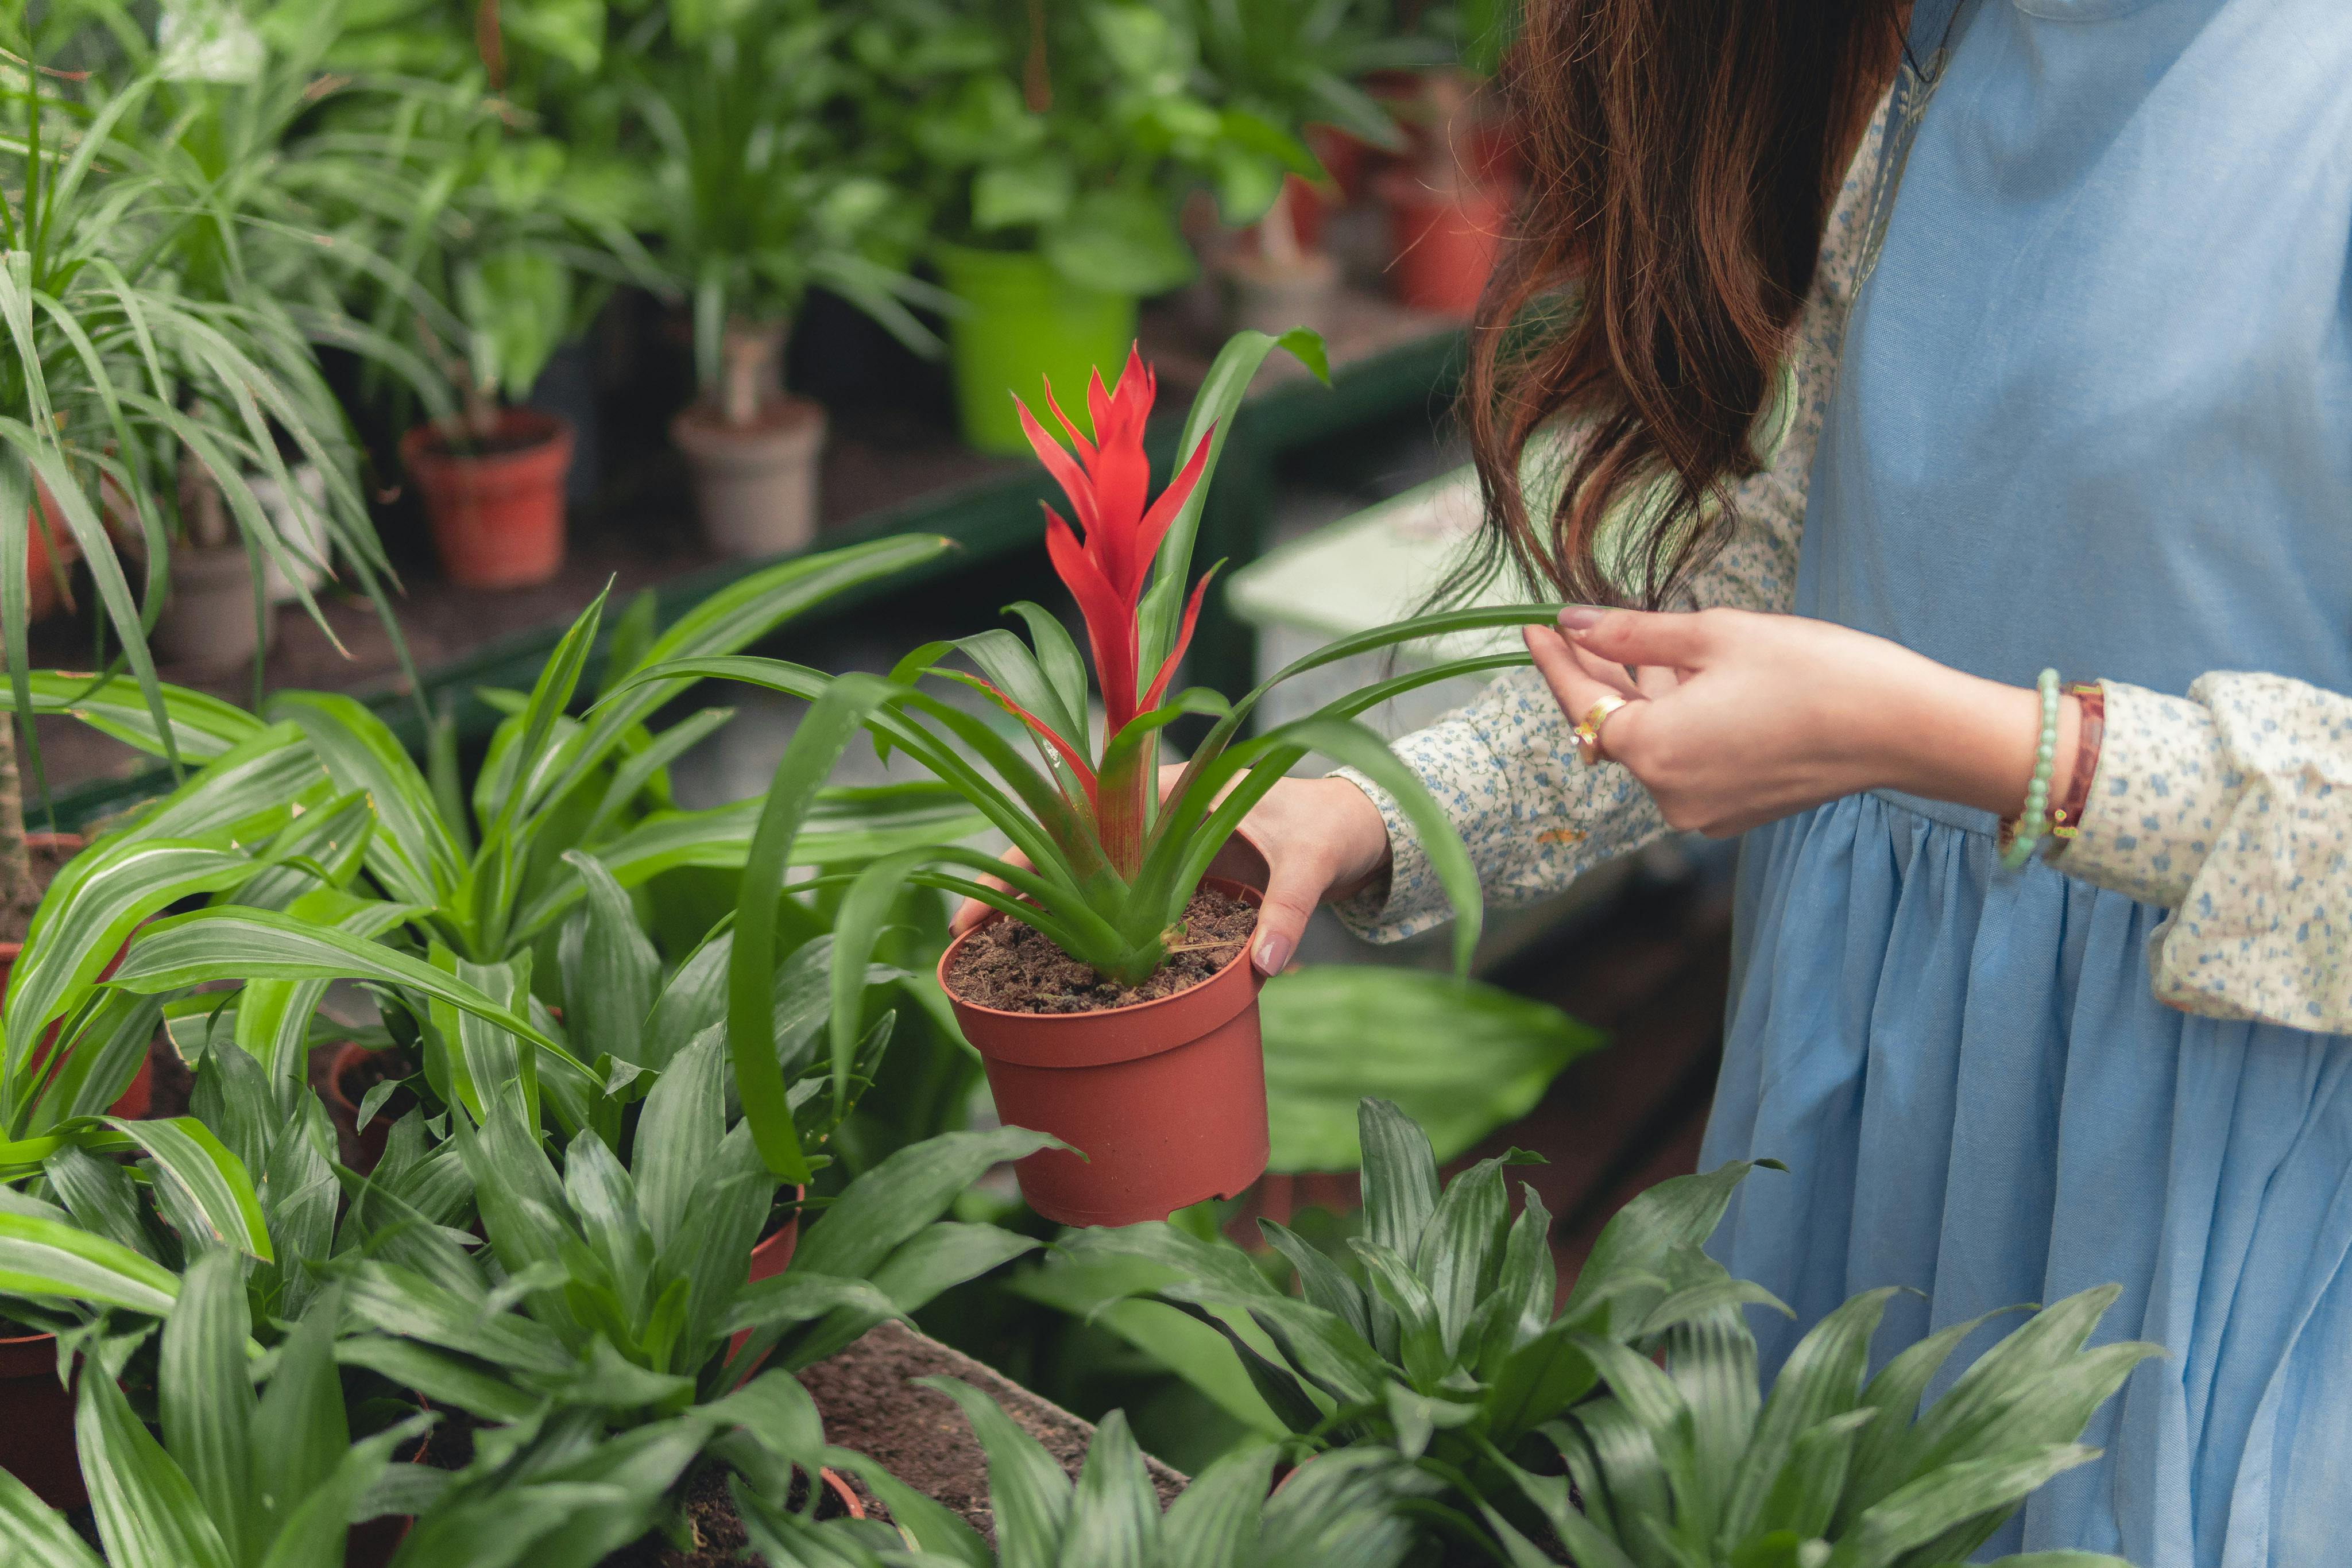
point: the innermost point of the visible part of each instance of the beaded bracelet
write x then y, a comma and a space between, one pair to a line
2035, 820
2066, 810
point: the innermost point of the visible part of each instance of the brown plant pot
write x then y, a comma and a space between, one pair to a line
497, 516
771, 1256
1166, 1098
755, 485
207, 626
37, 1422
1447, 239
365, 1144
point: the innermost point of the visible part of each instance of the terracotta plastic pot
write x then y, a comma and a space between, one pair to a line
207, 626
1166, 1098
771, 1257
1446, 240
365, 1144
37, 1422
497, 516
46, 540
755, 485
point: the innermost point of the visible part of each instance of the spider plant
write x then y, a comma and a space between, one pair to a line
1111, 866
1357, 1510
115, 367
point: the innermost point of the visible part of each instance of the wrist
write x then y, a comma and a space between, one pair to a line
1958, 737
1360, 849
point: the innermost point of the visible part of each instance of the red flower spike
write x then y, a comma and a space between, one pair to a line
1183, 640
1108, 484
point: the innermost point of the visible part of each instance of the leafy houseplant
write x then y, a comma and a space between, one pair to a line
416, 871
489, 247
1110, 870
1358, 1511
1051, 145
755, 199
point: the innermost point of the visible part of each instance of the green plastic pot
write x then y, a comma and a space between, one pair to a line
1024, 322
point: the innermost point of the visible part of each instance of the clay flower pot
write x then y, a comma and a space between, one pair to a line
37, 1422
1166, 1099
755, 484
496, 514
207, 625
1446, 238
47, 538
771, 1257
365, 1144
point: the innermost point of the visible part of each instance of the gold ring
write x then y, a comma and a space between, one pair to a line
1588, 729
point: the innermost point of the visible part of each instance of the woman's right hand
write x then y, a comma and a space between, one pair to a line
1323, 840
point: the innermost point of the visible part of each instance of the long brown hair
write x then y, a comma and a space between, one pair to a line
1682, 158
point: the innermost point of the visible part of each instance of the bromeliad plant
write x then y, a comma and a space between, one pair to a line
1107, 867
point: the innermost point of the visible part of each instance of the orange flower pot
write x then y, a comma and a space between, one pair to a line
771, 1257
1446, 240
37, 1422
1165, 1099
497, 515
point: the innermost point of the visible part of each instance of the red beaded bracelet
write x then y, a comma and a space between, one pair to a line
2067, 818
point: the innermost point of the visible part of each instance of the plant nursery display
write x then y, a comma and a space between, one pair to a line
1116, 1004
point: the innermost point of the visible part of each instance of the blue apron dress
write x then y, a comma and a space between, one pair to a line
2096, 412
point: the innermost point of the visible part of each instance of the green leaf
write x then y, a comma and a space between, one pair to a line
1114, 1519
1821, 1379
298, 1431
1121, 242
1681, 1212
412, 852
610, 969
40, 1538
1027, 1491
204, 1190
1946, 1498
207, 1400
1400, 1177
1337, 1032
49, 1260
146, 1510
889, 1203
1216, 1518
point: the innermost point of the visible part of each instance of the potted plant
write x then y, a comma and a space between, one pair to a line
418, 866
1295, 66
485, 245
1367, 1510
1050, 145
755, 200
1135, 1038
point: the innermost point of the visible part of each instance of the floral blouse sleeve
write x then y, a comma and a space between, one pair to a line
2231, 808
1504, 768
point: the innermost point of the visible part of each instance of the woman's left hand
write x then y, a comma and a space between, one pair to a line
1733, 718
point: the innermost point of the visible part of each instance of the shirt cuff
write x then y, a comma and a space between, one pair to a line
2158, 800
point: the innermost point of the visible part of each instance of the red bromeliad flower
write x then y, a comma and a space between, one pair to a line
1106, 483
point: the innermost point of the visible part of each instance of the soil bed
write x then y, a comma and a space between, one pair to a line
920, 1436
717, 1527
1009, 966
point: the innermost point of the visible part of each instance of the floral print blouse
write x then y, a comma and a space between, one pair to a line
2231, 807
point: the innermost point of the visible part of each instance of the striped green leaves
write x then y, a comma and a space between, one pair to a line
50, 1259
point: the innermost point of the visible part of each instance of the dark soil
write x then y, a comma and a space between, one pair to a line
868, 1402
173, 1082
718, 1528
48, 858
1009, 966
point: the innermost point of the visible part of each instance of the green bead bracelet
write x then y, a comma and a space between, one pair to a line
2033, 821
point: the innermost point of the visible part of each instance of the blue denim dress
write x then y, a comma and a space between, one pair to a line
2095, 412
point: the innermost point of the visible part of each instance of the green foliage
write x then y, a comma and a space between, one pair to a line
1334, 1034
1357, 1508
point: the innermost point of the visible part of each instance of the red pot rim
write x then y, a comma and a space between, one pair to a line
1107, 1035
843, 1490
426, 445
17, 1349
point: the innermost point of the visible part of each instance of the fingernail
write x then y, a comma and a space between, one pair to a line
1272, 952
1579, 617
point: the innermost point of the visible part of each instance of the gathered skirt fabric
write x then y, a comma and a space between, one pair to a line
1978, 1097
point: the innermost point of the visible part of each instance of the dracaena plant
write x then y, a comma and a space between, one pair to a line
1364, 1510
1444, 1343
1682, 1464
1108, 865
407, 866
239, 1477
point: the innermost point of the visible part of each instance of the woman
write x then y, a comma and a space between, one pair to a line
2088, 314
